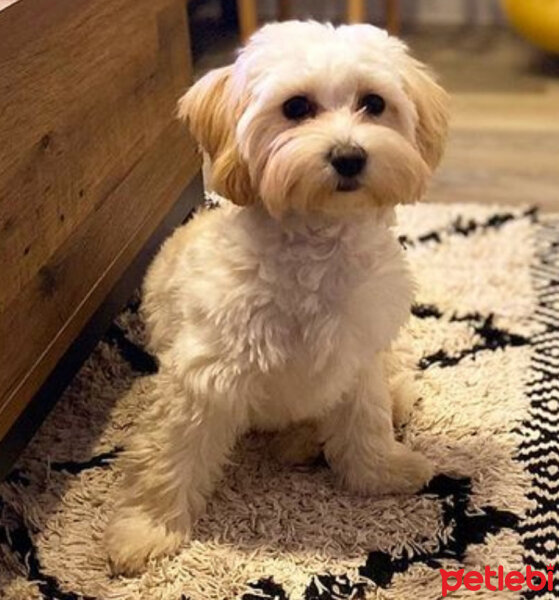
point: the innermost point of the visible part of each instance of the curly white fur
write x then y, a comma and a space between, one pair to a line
277, 308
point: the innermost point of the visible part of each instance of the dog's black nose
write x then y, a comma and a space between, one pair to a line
348, 161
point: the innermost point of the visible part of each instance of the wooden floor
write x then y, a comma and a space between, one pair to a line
504, 138
502, 149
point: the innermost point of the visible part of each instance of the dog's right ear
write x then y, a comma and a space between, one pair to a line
206, 110
211, 112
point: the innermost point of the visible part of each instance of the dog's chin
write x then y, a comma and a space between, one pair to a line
330, 197
348, 185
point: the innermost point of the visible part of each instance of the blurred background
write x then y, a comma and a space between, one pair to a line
498, 59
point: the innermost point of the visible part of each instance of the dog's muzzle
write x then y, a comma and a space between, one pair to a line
348, 161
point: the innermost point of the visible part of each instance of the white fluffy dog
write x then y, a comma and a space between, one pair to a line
275, 309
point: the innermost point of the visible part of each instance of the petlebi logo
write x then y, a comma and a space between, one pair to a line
497, 580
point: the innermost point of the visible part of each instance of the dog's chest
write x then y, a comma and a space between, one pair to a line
316, 298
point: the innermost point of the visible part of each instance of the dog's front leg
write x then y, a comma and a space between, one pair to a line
360, 444
170, 468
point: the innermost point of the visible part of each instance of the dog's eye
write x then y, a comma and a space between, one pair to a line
298, 108
373, 104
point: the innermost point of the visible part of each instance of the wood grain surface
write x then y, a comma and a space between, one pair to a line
91, 158
503, 149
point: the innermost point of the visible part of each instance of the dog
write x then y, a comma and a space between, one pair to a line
276, 311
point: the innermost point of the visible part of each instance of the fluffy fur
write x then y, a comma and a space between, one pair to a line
276, 310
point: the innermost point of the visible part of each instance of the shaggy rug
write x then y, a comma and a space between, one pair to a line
484, 333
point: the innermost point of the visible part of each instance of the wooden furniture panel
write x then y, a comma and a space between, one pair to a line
74, 121
91, 159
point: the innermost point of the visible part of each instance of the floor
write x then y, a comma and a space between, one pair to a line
504, 137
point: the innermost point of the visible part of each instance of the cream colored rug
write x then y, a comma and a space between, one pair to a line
484, 332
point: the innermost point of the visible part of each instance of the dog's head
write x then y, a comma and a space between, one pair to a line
313, 118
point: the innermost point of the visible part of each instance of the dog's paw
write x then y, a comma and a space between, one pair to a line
297, 445
403, 471
132, 537
407, 471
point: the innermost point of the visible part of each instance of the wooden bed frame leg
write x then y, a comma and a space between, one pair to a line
356, 11
284, 10
393, 17
248, 18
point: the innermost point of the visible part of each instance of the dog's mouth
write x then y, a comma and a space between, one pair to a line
348, 185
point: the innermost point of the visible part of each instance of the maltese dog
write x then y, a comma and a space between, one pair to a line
276, 310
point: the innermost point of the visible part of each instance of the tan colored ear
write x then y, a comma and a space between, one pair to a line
210, 112
431, 102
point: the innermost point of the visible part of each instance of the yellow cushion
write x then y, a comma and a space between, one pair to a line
537, 20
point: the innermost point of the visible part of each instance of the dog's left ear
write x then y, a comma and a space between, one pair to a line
211, 113
431, 102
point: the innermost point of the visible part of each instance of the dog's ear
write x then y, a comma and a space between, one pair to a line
431, 102
211, 111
